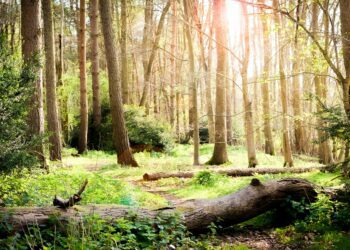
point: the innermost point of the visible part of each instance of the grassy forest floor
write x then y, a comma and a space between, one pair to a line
110, 183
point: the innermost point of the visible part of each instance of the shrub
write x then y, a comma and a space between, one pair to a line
15, 91
205, 178
142, 130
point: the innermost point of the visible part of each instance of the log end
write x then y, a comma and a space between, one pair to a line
146, 177
255, 182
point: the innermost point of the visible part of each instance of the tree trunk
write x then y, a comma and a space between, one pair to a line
324, 149
265, 88
196, 215
235, 172
287, 150
31, 46
248, 114
95, 66
345, 31
83, 132
220, 147
124, 64
193, 86
148, 68
207, 68
50, 73
120, 135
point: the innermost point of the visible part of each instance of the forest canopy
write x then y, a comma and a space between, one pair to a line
194, 107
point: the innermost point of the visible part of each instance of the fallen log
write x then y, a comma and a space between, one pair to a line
234, 172
197, 215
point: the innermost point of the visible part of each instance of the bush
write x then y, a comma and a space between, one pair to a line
205, 178
142, 130
15, 92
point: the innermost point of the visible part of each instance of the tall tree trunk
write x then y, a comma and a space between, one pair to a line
220, 147
95, 66
83, 133
120, 135
207, 68
265, 89
148, 67
50, 73
287, 150
324, 149
345, 30
173, 63
193, 86
31, 47
248, 114
124, 64
299, 133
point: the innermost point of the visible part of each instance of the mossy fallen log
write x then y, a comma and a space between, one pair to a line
234, 172
197, 215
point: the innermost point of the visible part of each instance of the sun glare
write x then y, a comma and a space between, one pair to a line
234, 18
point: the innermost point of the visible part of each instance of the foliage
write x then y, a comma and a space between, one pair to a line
323, 227
24, 188
335, 125
206, 178
142, 130
131, 232
15, 91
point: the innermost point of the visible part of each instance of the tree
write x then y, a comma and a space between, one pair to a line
149, 63
265, 88
120, 134
83, 132
31, 47
324, 149
50, 73
248, 114
193, 86
220, 150
95, 66
287, 150
124, 61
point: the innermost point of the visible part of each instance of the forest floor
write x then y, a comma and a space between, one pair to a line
110, 183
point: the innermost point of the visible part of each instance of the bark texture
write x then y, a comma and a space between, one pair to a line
50, 73
193, 107
265, 88
31, 47
197, 215
95, 66
83, 132
220, 147
248, 114
120, 134
124, 59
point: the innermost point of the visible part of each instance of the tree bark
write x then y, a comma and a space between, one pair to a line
50, 73
83, 132
95, 66
193, 110
287, 150
345, 31
324, 149
220, 147
248, 114
31, 47
120, 134
265, 88
124, 61
235, 172
196, 215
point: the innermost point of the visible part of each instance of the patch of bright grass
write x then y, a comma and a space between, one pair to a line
39, 189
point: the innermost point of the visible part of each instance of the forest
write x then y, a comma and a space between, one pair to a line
175, 124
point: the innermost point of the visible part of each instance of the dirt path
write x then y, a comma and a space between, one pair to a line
161, 191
